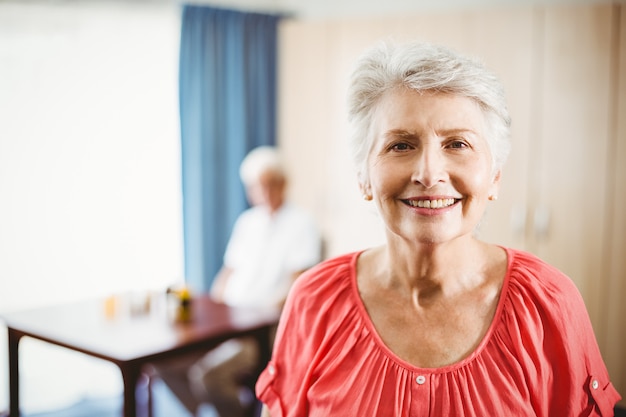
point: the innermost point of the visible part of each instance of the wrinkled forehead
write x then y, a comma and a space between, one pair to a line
416, 112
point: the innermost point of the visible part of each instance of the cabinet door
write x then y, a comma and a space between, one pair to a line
613, 343
568, 158
303, 122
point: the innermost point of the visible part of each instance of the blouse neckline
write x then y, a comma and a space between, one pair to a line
444, 369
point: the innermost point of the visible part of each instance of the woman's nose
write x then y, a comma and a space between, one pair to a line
429, 167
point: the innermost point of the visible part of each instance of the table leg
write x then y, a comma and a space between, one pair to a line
265, 347
130, 376
264, 341
14, 378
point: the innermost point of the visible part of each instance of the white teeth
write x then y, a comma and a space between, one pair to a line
442, 202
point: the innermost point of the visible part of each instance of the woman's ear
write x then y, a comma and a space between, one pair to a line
366, 189
495, 185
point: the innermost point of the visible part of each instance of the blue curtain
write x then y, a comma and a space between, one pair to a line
227, 79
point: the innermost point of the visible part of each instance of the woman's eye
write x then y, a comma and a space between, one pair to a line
400, 147
457, 144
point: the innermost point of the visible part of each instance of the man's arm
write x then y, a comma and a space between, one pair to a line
219, 284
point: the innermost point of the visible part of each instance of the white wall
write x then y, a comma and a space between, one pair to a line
90, 199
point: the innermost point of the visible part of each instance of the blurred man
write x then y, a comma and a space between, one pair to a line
270, 245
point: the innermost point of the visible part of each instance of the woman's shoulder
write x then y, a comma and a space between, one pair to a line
525, 265
535, 280
324, 282
326, 273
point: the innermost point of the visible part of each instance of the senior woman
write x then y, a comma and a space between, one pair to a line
435, 322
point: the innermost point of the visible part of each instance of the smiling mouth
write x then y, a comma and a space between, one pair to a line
432, 204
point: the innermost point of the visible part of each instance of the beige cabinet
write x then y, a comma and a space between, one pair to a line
614, 334
563, 193
570, 199
564, 215
574, 216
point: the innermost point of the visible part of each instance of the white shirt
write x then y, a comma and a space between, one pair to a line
265, 251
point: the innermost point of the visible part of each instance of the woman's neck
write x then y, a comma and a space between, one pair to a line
428, 271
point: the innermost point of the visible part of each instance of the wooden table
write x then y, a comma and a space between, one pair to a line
132, 341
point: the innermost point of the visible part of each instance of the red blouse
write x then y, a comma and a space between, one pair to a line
538, 358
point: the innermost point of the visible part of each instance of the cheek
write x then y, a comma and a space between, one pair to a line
257, 196
478, 181
385, 181
380, 178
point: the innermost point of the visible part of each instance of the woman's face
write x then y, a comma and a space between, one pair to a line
430, 167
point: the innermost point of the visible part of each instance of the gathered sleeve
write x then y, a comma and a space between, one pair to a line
555, 342
304, 337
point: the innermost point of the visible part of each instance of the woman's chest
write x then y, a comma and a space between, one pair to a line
367, 381
438, 335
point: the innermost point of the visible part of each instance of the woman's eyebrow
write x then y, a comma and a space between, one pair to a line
405, 134
455, 131
394, 133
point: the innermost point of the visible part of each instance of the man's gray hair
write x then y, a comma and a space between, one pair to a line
258, 161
